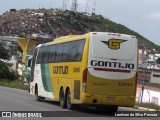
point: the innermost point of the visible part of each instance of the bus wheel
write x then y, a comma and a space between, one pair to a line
70, 106
113, 109
38, 98
62, 99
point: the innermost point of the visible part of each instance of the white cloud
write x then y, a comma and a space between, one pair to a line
152, 16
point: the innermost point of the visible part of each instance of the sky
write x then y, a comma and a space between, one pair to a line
142, 16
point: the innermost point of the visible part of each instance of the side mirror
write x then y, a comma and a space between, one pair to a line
29, 63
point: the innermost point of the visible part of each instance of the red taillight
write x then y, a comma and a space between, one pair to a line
85, 75
84, 79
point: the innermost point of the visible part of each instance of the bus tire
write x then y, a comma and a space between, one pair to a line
70, 106
38, 98
62, 99
113, 109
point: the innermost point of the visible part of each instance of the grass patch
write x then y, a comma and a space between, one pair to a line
148, 105
13, 84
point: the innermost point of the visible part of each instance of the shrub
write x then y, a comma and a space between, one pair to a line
149, 105
3, 52
6, 73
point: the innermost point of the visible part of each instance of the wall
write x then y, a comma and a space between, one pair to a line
149, 96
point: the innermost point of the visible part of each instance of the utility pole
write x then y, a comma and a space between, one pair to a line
144, 72
87, 4
74, 5
144, 68
65, 4
94, 7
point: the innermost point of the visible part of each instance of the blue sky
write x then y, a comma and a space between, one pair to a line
142, 16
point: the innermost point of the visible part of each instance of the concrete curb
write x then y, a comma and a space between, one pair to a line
143, 108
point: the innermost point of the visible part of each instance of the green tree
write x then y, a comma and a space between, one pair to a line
5, 72
3, 52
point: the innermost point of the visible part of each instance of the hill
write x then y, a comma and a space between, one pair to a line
52, 23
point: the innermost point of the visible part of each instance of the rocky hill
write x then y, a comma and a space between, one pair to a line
52, 23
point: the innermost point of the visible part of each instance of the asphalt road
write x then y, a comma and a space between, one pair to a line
19, 100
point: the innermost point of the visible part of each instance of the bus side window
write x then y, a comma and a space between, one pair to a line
71, 52
39, 58
65, 52
52, 56
44, 54
55, 53
75, 51
79, 52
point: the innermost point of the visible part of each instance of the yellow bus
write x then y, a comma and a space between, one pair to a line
97, 69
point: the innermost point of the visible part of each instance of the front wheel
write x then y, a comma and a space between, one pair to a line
113, 109
70, 106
